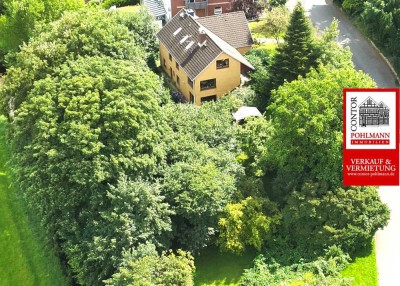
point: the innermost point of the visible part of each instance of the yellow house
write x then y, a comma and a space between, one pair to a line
203, 56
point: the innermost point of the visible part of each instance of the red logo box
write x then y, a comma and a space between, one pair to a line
371, 137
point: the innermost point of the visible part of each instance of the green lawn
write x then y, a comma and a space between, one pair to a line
363, 268
24, 257
270, 48
214, 268
256, 29
131, 8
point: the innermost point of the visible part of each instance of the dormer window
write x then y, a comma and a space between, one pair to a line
221, 64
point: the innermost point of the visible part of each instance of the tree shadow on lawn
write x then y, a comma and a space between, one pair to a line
221, 268
364, 251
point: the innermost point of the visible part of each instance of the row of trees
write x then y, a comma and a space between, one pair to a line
123, 178
89, 137
300, 87
381, 21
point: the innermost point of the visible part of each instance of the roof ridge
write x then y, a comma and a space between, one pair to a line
195, 59
223, 14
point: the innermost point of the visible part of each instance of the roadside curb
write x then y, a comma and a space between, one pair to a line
387, 62
397, 79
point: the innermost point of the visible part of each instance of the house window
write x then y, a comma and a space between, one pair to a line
217, 10
190, 82
170, 57
178, 80
208, 98
177, 66
191, 1
191, 96
221, 64
208, 84
165, 64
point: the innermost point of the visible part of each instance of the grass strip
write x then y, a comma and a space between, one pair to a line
363, 268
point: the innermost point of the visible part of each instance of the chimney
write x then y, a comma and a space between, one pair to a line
202, 37
190, 12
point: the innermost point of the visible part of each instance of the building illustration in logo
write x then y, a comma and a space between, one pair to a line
373, 114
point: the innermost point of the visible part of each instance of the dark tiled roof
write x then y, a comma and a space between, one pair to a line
180, 36
156, 7
230, 27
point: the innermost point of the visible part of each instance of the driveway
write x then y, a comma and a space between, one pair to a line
365, 57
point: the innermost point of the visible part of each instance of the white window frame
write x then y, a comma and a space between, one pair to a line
217, 10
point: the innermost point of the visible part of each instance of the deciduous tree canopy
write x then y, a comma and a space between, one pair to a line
20, 17
306, 117
347, 218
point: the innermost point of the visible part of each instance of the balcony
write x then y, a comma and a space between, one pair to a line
193, 4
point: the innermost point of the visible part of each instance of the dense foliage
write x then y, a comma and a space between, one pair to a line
76, 132
381, 20
123, 178
248, 223
324, 271
87, 33
251, 8
276, 21
201, 173
119, 3
85, 113
169, 269
301, 51
261, 60
296, 55
19, 18
354, 215
306, 116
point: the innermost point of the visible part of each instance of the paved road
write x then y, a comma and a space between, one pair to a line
387, 240
365, 57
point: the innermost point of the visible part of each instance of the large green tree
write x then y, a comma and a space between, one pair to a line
306, 117
144, 28
20, 17
136, 215
296, 55
78, 130
276, 22
250, 222
347, 218
200, 174
85, 33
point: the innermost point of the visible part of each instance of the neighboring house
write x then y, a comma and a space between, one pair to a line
202, 7
159, 9
202, 57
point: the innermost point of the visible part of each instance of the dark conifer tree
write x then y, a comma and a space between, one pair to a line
296, 55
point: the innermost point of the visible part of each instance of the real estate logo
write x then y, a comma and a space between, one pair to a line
371, 147
369, 124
